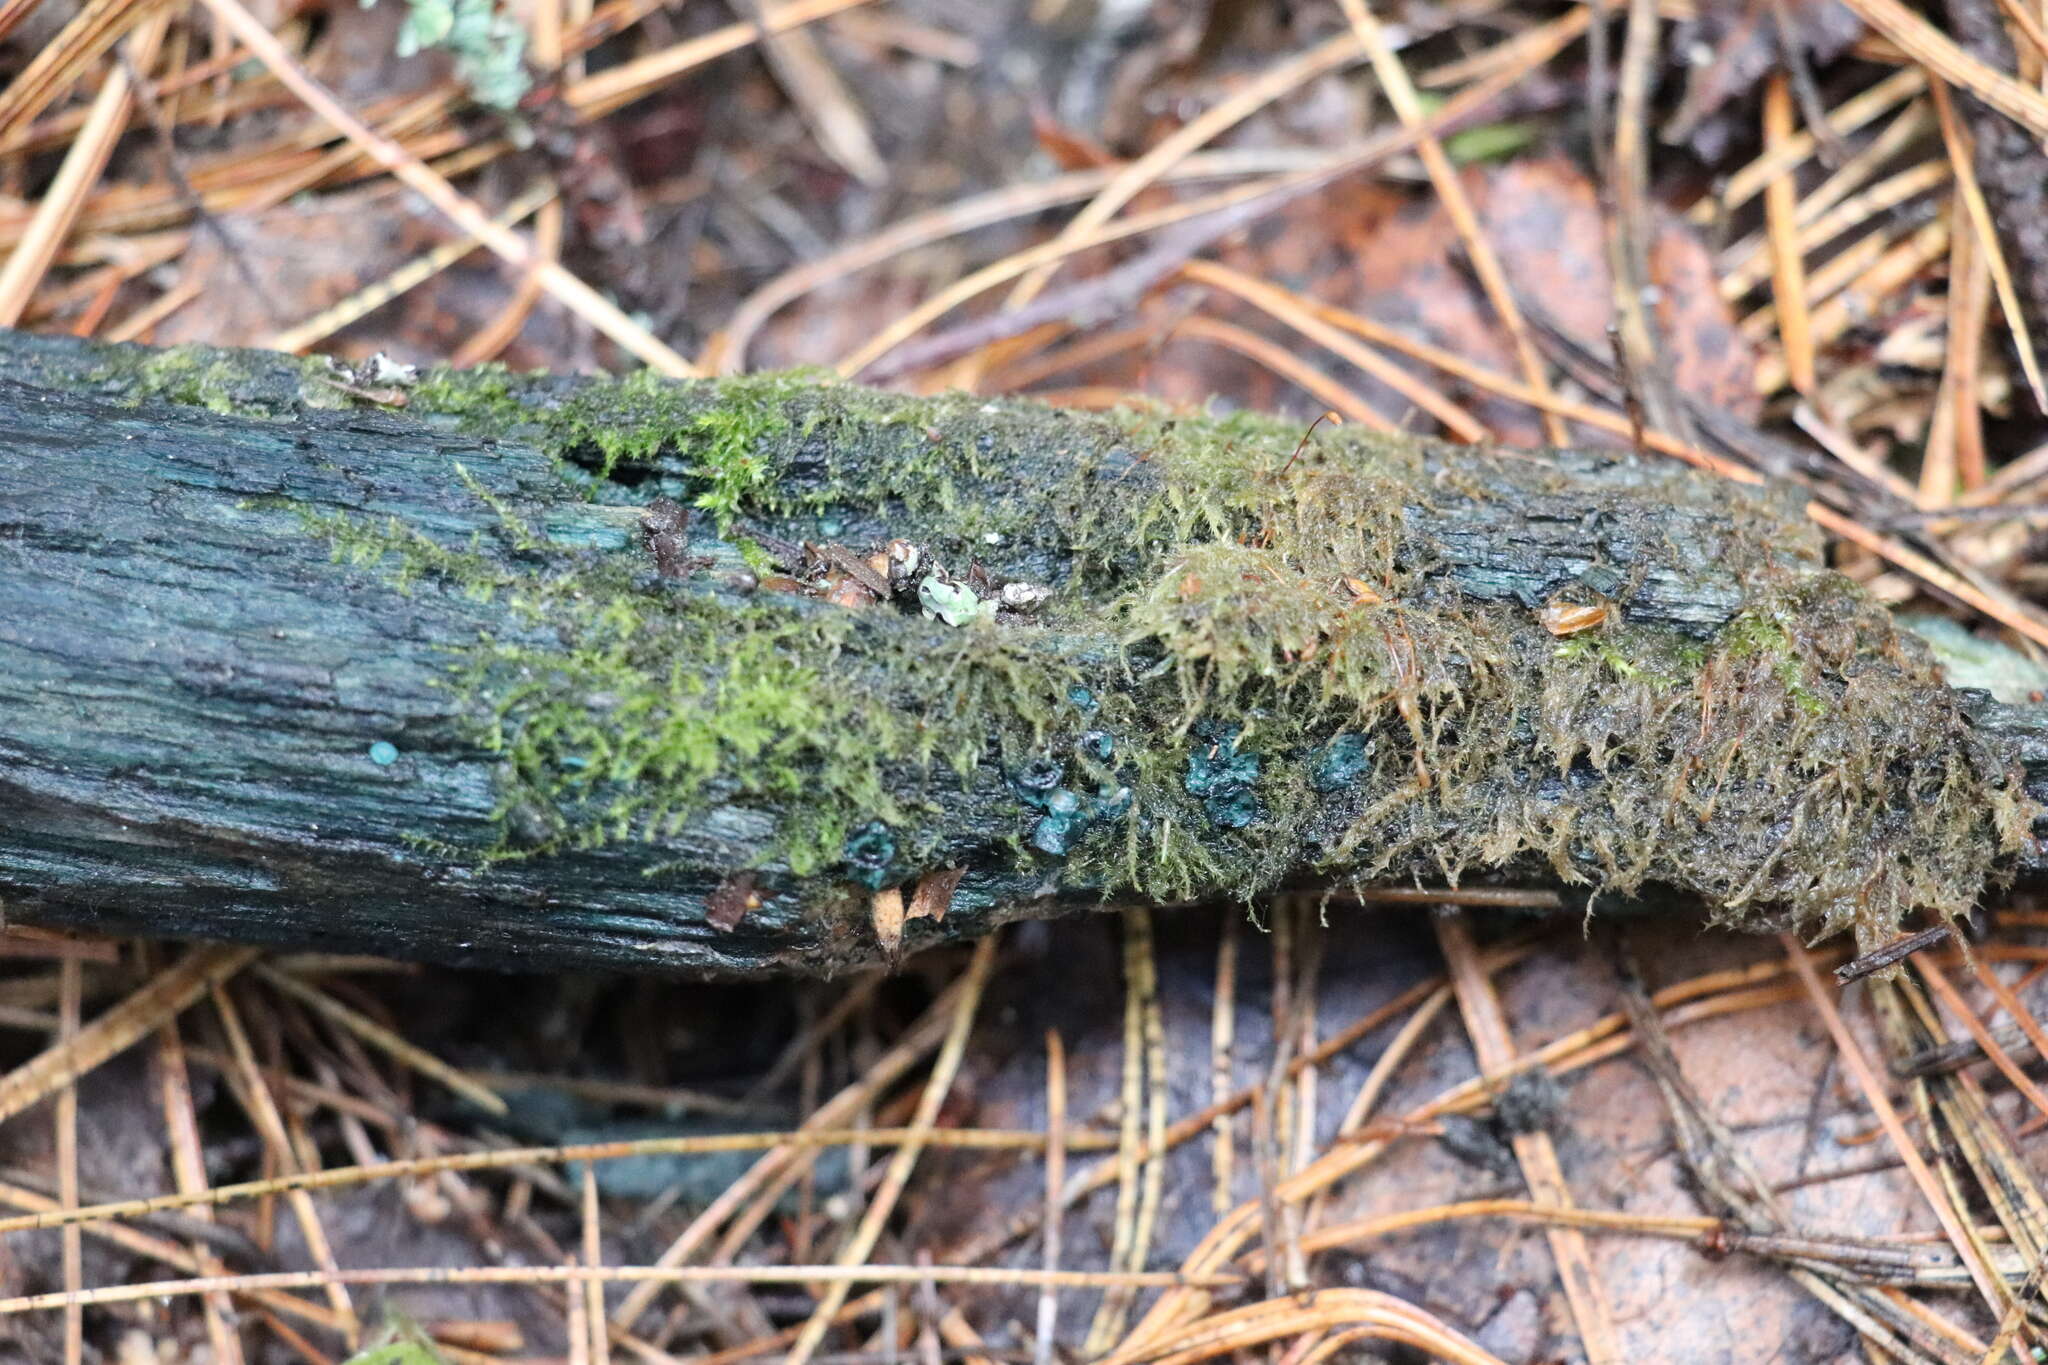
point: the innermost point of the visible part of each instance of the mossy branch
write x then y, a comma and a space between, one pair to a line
775, 674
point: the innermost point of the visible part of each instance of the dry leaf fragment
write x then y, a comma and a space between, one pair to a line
734, 899
934, 894
887, 912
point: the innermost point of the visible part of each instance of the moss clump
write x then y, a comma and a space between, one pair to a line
1254, 665
250, 384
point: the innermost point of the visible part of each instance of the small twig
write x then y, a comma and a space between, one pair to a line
1631, 392
1626, 194
1891, 954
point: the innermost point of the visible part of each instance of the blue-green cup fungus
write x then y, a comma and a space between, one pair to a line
1055, 834
1036, 778
1222, 777
869, 852
1110, 805
1069, 815
1340, 763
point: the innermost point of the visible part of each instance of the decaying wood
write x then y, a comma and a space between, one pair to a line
771, 675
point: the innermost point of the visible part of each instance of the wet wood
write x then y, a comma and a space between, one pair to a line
209, 730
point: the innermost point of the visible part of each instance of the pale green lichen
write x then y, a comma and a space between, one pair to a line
487, 43
953, 603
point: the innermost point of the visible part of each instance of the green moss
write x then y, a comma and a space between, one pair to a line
232, 383
1801, 765
1764, 636
483, 397
403, 555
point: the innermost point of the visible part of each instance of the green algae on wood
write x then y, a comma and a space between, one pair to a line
1249, 670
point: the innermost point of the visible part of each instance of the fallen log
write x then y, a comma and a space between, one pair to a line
777, 674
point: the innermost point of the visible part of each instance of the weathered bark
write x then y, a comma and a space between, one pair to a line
282, 665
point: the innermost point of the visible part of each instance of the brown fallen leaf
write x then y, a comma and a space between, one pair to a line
1543, 218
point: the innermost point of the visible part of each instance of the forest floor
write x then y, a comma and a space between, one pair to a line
1802, 238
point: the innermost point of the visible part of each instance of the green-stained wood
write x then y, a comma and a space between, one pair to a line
282, 665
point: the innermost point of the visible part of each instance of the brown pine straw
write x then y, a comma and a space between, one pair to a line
1287, 364
1957, 141
1870, 269
1605, 1038
1751, 265
1486, 1023
617, 86
1945, 991
726, 353
151, 1248
252, 1089
1845, 118
369, 1031
882, 1203
1741, 265
1450, 190
410, 275
1532, 49
1871, 1084
1788, 268
97, 26
1704, 997
384, 1276
1285, 308
340, 1177
573, 293
188, 1172
84, 161
1943, 59
1363, 1311
1282, 79
589, 1304
791, 1158
166, 995
1055, 1186
1110, 1314
139, 325
1209, 272
70, 985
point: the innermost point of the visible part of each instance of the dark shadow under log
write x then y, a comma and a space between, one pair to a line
291, 657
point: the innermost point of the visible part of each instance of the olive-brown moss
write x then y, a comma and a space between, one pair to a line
1229, 622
